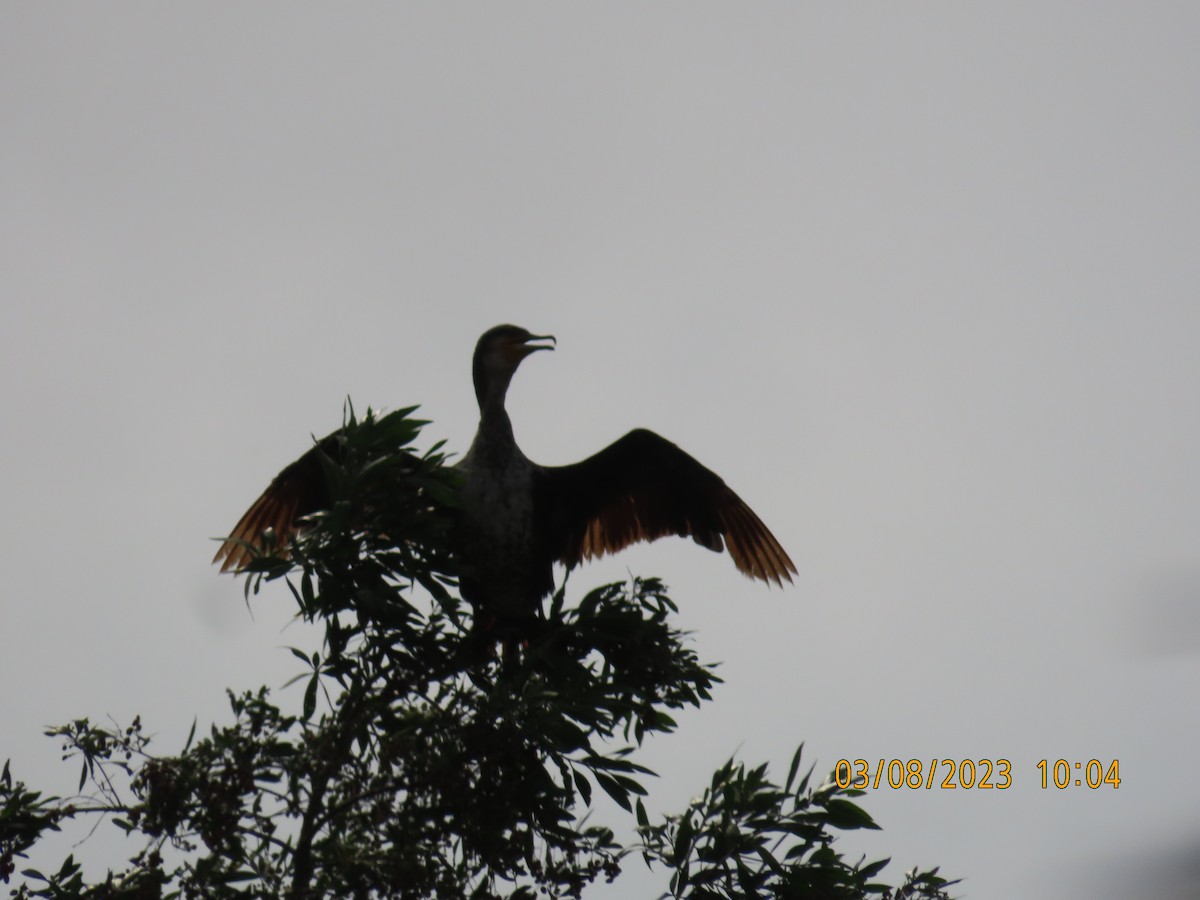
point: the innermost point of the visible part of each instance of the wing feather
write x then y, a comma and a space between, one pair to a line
299, 490
641, 488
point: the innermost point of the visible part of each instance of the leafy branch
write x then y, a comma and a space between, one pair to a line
422, 763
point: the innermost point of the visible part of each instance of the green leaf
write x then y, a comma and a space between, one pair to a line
630, 785
847, 816
300, 655
583, 786
232, 877
683, 840
793, 768
872, 869
310, 696
614, 789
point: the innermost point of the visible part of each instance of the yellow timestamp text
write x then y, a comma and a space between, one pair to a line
944, 774
1065, 773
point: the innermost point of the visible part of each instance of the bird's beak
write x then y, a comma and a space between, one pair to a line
529, 347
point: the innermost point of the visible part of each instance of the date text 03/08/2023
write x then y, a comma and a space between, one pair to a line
972, 774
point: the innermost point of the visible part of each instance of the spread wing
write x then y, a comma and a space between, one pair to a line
297, 491
642, 488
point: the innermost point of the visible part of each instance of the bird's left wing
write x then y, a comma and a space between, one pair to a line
642, 488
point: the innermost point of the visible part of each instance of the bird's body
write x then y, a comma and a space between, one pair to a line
519, 518
498, 535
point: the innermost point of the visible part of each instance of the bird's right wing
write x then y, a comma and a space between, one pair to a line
642, 488
299, 490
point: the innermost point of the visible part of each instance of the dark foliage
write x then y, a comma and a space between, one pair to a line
423, 762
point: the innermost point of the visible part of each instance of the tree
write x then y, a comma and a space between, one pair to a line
422, 763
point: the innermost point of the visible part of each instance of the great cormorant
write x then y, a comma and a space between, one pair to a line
519, 518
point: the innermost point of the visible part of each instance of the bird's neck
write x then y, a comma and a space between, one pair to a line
490, 391
494, 423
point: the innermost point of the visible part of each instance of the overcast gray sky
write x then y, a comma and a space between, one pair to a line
918, 280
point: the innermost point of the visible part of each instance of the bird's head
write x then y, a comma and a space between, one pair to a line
499, 352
